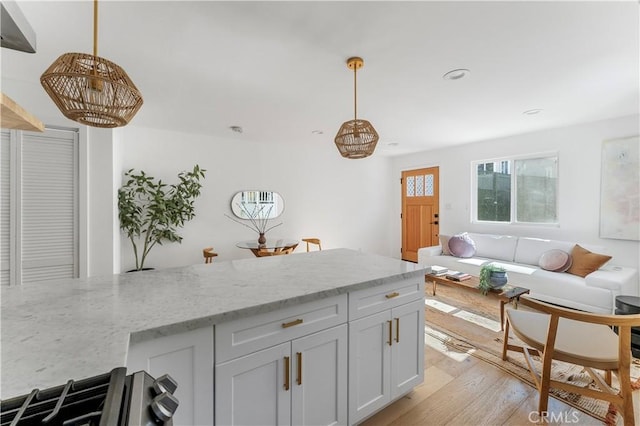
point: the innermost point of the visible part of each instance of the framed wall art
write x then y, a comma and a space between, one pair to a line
620, 189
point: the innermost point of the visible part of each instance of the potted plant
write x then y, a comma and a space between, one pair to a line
491, 276
151, 211
258, 220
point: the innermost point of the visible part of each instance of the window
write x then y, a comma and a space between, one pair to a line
39, 198
521, 190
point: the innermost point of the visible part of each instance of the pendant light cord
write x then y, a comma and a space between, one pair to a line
95, 27
355, 93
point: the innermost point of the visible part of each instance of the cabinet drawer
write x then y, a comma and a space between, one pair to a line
375, 299
246, 335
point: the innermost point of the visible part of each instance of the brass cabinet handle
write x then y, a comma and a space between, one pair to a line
390, 342
392, 295
286, 373
292, 323
398, 330
299, 378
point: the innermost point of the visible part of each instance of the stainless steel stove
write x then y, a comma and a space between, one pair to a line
109, 399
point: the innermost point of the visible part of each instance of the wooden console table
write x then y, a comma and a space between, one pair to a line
505, 294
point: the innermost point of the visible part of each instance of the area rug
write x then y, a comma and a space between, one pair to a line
465, 321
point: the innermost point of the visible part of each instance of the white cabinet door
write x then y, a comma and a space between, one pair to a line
386, 358
369, 365
407, 351
319, 388
188, 358
255, 389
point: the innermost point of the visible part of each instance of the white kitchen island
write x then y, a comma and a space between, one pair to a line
322, 337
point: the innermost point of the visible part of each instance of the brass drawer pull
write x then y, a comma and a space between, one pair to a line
392, 295
286, 373
292, 323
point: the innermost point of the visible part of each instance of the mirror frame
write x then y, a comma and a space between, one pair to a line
259, 200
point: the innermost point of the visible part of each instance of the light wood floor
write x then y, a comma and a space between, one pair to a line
469, 391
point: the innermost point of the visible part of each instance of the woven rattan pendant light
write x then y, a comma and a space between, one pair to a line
356, 138
92, 90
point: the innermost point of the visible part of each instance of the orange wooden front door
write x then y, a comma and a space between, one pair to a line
420, 211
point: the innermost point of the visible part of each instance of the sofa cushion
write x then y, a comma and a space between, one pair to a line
555, 260
500, 247
444, 243
620, 279
529, 250
586, 262
461, 245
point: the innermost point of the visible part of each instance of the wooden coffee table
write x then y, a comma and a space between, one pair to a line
505, 295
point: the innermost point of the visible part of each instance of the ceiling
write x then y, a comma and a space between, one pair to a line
278, 69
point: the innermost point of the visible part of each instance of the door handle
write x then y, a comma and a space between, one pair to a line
286, 373
390, 341
299, 378
397, 330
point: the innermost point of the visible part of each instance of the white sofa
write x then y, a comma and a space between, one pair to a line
520, 255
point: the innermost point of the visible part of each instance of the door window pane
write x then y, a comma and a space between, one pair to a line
411, 186
419, 186
428, 185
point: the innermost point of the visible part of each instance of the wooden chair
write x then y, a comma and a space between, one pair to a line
208, 254
286, 249
276, 252
580, 338
315, 241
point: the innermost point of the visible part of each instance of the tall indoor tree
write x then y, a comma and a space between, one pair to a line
151, 211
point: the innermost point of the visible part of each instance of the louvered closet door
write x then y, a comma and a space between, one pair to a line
5, 202
49, 181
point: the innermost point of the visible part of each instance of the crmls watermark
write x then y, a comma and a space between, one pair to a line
560, 418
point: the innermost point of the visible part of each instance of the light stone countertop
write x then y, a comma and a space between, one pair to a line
71, 329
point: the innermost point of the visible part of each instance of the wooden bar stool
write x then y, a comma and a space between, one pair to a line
208, 254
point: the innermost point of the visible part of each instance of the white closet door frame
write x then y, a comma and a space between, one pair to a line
16, 141
15, 277
10, 153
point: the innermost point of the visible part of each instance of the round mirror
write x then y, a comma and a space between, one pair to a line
257, 204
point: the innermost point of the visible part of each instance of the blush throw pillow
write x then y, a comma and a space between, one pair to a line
585, 262
555, 260
444, 243
462, 245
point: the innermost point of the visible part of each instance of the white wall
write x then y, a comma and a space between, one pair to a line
578, 147
100, 195
343, 202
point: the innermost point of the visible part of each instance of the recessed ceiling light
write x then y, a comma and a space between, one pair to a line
317, 132
236, 129
532, 111
456, 74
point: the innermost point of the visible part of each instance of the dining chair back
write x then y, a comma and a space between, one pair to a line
315, 241
208, 254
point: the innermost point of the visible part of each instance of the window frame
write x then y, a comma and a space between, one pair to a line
514, 189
